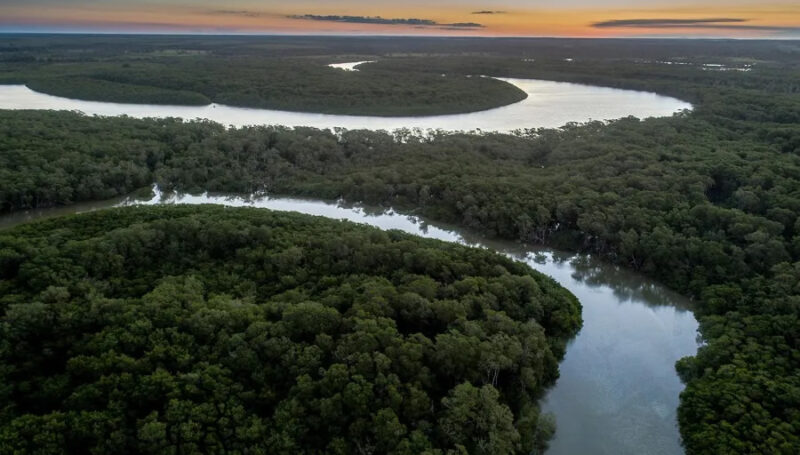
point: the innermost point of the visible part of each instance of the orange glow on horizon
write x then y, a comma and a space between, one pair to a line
763, 21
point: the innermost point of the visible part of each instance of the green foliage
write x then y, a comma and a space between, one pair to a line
707, 201
273, 83
210, 330
95, 89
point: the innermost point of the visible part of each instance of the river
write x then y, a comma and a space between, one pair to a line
548, 105
618, 390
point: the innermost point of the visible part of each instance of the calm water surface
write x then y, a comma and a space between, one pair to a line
548, 105
618, 390
349, 66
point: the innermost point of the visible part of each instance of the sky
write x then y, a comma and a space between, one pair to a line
574, 18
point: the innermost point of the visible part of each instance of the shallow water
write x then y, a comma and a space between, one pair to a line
548, 105
618, 390
349, 66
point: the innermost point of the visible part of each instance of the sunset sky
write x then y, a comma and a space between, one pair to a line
581, 18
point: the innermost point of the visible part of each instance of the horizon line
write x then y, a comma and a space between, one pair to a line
399, 35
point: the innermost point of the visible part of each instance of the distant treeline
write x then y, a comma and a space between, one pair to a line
291, 74
72, 48
706, 201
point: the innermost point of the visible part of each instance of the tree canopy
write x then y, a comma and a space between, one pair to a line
185, 330
705, 201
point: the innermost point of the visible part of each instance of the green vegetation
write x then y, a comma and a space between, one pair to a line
213, 330
706, 202
284, 84
96, 89
292, 84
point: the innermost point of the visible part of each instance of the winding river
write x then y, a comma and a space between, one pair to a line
618, 390
548, 105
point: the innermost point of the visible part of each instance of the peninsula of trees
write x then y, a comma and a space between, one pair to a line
194, 330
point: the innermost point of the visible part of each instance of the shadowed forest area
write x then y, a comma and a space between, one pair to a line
705, 201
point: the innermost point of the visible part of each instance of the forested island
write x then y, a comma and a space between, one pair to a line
213, 330
232, 76
707, 202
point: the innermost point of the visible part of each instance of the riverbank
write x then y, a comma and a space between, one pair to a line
545, 105
617, 392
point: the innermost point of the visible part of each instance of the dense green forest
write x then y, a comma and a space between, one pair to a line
290, 72
707, 201
289, 83
213, 330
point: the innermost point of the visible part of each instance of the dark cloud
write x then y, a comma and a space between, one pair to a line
666, 22
236, 12
386, 21
723, 23
488, 12
762, 28
464, 25
365, 20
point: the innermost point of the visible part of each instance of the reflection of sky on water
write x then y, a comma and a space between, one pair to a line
548, 105
618, 390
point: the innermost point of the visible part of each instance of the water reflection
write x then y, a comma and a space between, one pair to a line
618, 390
548, 105
626, 285
349, 66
